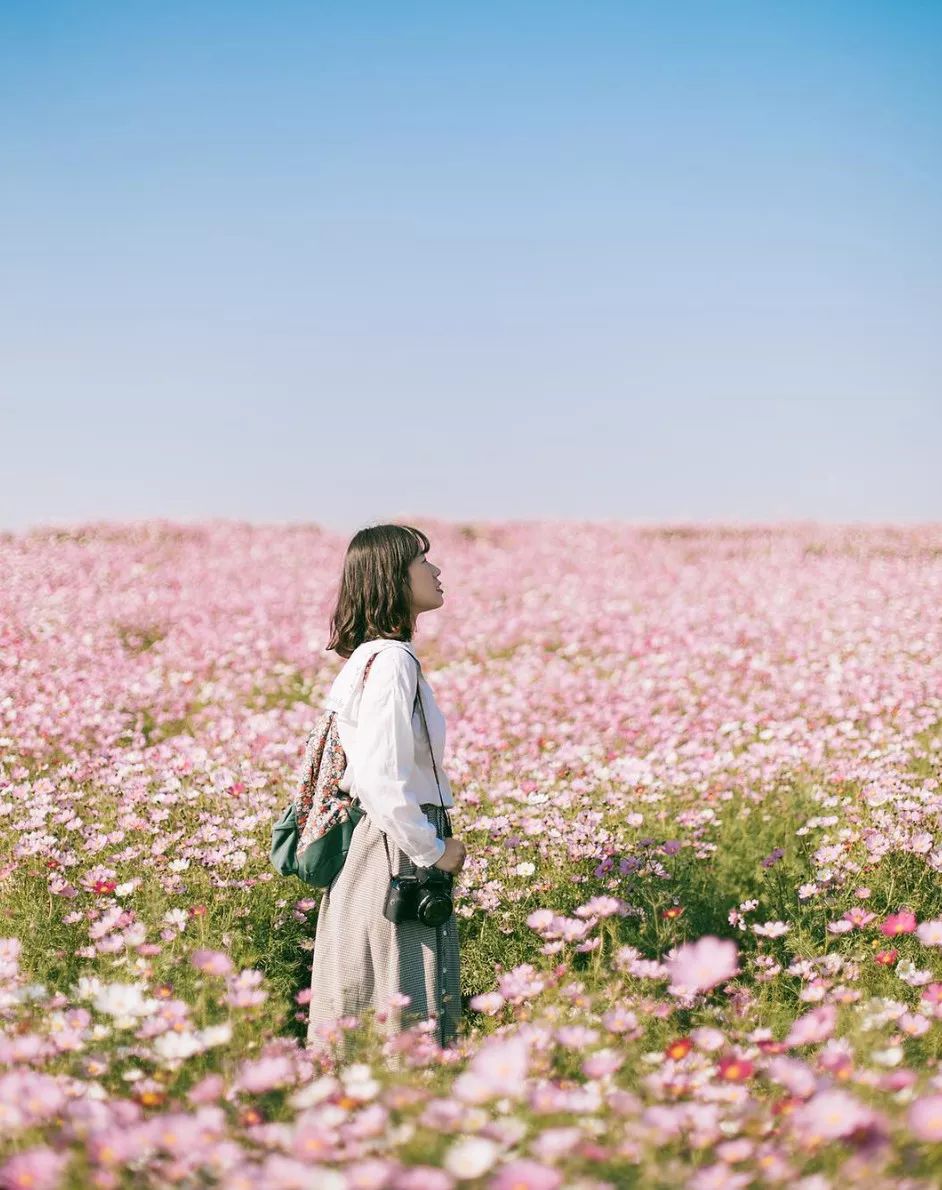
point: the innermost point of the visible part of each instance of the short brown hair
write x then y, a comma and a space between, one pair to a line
374, 596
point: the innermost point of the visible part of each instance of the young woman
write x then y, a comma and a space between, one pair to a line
362, 960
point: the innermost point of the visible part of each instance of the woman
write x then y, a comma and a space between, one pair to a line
362, 960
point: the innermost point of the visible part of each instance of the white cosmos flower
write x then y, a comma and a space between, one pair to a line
175, 1047
471, 1157
216, 1034
891, 1056
314, 1092
359, 1083
87, 988
126, 1002
771, 929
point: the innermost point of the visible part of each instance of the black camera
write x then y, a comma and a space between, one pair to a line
424, 897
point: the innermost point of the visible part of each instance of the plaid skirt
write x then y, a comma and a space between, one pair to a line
361, 959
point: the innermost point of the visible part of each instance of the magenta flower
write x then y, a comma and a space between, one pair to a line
903, 922
701, 965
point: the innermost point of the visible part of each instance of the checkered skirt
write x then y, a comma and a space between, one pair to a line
361, 958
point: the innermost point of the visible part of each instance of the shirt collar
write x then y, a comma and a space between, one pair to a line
347, 687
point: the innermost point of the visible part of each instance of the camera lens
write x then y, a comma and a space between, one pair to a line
437, 913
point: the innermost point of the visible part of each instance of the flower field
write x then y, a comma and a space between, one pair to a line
698, 774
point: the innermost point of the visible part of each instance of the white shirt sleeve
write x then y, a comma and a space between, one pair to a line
386, 757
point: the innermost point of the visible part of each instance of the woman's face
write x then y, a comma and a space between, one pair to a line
426, 590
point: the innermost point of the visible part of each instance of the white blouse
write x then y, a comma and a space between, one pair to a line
389, 767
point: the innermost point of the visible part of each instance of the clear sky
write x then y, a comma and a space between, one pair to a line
355, 261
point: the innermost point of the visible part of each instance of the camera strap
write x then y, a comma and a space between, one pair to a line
418, 699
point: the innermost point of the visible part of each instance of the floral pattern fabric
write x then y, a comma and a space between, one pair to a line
319, 803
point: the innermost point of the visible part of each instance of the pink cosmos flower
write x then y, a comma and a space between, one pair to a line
816, 1025
244, 989
701, 965
913, 1024
733, 1151
36, 1169
540, 919
903, 922
831, 1114
793, 1075
10, 950
620, 1019
707, 1038
424, 1177
210, 1088
499, 1067
554, 1143
925, 1118
487, 1002
313, 1140
524, 1174
929, 933
601, 1063
570, 929
214, 962
718, 1177
521, 983
859, 916
263, 1074
576, 1037
602, 906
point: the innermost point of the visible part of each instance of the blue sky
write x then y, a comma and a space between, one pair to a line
351, 262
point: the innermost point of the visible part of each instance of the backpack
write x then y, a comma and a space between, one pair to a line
312, 837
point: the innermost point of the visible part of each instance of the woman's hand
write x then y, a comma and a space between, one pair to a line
453, 857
